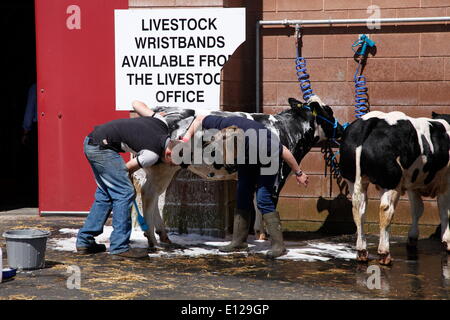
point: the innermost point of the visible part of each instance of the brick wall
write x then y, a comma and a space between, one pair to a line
410, 72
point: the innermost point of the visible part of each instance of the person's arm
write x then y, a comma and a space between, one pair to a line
193, 128
300, 176
144, 159
142, 109
132, 165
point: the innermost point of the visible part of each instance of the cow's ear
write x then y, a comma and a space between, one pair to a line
434, 115
328, 110
315, 107
294, 103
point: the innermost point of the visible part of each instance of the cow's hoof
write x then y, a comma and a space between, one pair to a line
362, 256
412, 242
163, 237
165, 240
385, 259
151, 245
152, 249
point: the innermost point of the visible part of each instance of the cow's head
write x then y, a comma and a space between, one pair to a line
320, 116
442, 116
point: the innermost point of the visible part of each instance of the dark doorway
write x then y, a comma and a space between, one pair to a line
19, 174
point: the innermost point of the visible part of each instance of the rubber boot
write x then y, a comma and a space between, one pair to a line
240, 232
273, 224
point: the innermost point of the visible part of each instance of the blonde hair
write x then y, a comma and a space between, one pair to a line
172, 143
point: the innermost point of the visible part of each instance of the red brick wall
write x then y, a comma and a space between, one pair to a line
410, 73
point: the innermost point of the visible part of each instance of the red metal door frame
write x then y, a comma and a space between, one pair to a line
76, 91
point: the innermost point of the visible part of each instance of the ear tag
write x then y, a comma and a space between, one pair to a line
299, 105
314, 113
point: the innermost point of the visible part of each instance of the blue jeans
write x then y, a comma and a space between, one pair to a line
250, 181
114, 192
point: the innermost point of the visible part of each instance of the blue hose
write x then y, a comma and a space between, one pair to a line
140, 218
303, 77
361, 96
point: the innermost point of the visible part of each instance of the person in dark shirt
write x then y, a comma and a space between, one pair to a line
148, 139
252, 179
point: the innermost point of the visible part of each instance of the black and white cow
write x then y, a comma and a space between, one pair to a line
298, 128
397, 153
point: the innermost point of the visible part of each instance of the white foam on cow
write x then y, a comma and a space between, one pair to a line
199, 245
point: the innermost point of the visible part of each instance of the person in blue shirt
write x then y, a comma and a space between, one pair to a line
252, 180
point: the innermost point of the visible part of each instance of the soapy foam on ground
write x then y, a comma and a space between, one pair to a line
198, 245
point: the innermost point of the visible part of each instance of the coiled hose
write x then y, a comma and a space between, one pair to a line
300, 67
305, 87
361, 95
303, 77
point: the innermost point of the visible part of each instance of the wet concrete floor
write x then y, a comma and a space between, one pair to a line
424, 274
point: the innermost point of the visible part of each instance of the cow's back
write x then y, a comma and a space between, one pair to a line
396, 148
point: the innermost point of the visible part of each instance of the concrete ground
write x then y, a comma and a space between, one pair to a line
424, 274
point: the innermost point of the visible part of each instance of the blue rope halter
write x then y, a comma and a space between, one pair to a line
335, 124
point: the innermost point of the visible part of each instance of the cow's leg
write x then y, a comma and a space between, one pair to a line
359, 205
149, 198
444, 210
358, 190
260, 231
158, 179
416, 203
389, 200
144, 200
138, 181
160, 227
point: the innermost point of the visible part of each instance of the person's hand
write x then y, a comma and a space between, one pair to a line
162, 113
303, 179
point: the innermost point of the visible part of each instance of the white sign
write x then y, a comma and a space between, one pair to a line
173, 57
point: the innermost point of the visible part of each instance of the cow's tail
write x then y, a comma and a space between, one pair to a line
357, 188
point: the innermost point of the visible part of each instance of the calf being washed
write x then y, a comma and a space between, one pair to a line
397, 153
298, 128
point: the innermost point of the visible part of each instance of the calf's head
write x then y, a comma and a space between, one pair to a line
320, 116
